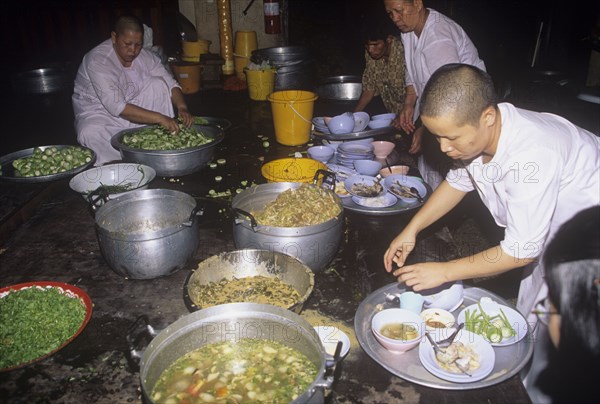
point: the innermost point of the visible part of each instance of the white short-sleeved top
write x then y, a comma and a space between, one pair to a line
103, 84
544, 171
442, 41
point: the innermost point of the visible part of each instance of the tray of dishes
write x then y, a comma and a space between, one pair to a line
384, 203
363, 134
496, 361
45, 163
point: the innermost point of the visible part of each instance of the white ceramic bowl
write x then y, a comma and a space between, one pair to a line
389, 116
329, 336
448, 296
396, 170
341, 124
130, 175
361, 120
394, 316
382, 148
367, 167
379, 123
320, 153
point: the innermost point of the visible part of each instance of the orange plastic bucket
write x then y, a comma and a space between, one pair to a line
292, 114
188, 76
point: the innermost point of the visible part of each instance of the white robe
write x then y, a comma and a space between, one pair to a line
442, 41
544, 171
103, 87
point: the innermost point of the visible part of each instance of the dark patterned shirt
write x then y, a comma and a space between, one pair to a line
386, 77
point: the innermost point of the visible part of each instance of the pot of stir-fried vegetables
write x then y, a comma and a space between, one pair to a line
301, 220
170, 155
234, 353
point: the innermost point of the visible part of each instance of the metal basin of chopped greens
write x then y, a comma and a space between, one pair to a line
158, 138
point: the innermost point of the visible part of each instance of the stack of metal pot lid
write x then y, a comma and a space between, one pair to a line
294, 64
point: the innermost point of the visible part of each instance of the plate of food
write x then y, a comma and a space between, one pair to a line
406, 188
45, 163
469, 352
41, 318
364, 186
497, 323
383, 201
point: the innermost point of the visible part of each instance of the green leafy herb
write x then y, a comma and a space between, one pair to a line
34, 322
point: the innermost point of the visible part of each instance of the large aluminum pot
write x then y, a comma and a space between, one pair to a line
344, 88
171, 163
148, 233
247, 263
314, 245
232, 322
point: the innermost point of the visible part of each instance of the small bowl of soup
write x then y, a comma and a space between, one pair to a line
398, 330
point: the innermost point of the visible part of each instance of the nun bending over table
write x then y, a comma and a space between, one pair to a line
120, 85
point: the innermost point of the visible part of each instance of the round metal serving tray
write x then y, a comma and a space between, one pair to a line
509, 359
9, 173
355, 135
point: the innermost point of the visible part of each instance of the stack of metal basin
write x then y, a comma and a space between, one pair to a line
294, 64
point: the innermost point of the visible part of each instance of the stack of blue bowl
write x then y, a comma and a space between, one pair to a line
349, 152
320, 124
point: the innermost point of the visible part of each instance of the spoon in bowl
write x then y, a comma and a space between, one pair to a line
415, 191
387, 164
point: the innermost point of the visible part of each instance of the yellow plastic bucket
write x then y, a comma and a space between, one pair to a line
193, 49
291, 170
260, 83
292, 114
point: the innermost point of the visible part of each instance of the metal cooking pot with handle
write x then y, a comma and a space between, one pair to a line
314, 245
232, 322
148, 233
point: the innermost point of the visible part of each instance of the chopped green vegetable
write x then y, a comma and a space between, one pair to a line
52, 160
35, 322
493, 328
198, 120
158, 138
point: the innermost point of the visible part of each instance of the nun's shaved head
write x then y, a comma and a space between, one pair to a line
458, 90
128, 23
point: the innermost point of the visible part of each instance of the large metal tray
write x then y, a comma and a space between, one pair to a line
355, 135
509, 359
9, 174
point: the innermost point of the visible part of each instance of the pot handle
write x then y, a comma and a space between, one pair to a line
197, 211
328, 180
241, 212
98, 195
138, 336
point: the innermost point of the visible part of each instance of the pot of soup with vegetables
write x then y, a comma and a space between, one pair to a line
301, 220
234, 353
